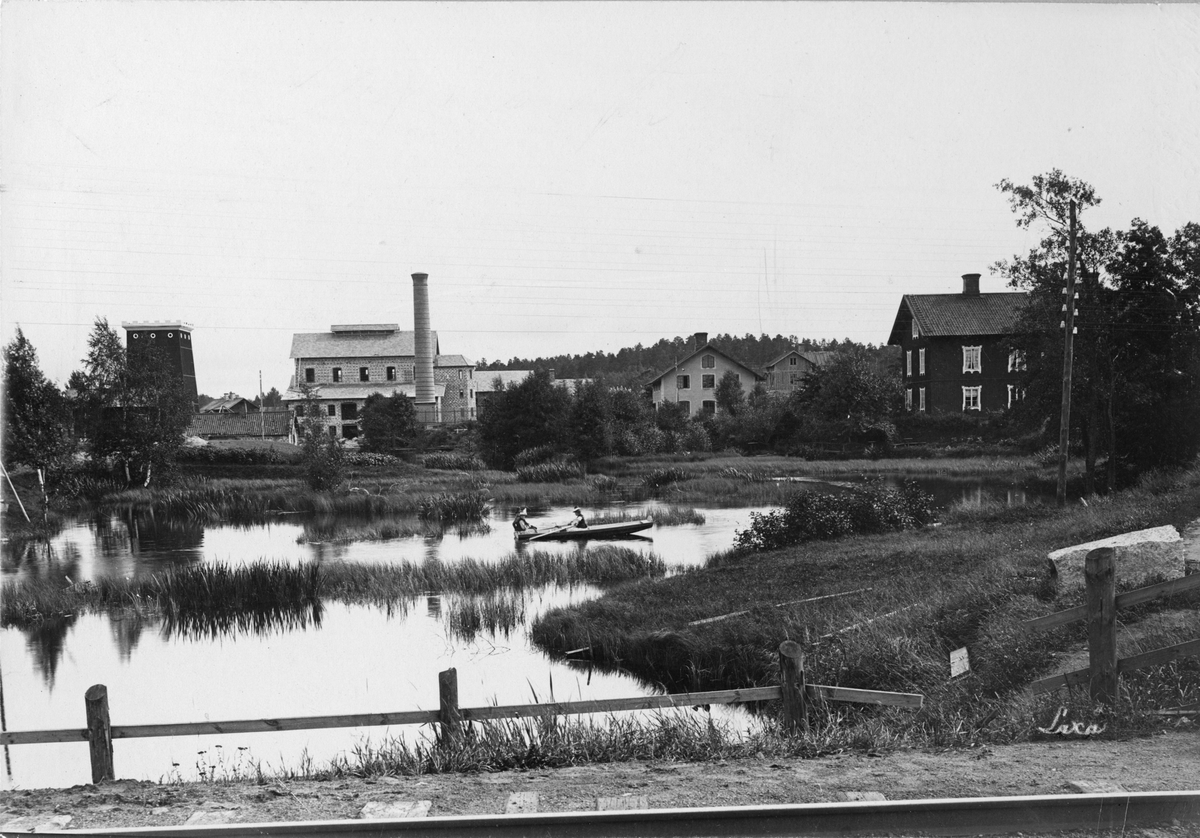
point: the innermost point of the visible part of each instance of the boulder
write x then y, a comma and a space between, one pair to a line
1140, 556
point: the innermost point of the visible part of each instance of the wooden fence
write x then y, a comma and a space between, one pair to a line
1100, 611
795, 692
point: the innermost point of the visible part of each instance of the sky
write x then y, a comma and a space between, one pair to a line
573, 177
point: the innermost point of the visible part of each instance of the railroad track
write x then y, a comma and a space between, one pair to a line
967, 816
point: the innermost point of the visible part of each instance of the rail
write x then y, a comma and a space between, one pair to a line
794, 691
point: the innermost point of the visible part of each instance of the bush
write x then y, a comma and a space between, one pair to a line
214, 455
367, 458
452, 462
811, 516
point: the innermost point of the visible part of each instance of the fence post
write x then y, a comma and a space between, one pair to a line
1100, 579
451, 716
99, 730
791, 667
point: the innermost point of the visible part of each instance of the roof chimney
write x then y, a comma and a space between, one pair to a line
423, 371
970, 285
701, 339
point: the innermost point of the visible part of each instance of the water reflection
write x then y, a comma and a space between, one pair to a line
197, 625
495, 614
46, 642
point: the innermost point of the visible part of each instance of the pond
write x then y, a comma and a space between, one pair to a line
344, 660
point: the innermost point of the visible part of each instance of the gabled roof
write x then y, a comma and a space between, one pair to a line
708, 347
958, 315
357, 344
239, 424
452, 361
816, 357
227, 404
359, 391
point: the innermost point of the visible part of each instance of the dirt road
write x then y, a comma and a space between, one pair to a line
1163, 762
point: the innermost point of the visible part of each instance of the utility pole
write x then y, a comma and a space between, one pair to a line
262, 407
1068, 327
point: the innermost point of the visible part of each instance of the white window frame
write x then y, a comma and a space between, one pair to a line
921, 395
1015, 394
908, 398
915, 332
708, 362
908, 362
921, 360
972, 394
972, 353
1016, 360
708, 381
683, 382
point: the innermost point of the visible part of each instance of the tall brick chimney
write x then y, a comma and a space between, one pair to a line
970, 285
423, 368
700, 339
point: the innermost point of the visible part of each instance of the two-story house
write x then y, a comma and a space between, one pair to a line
786, 373
692, 381
955, 353
351, 362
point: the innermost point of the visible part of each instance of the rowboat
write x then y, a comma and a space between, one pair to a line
617, 530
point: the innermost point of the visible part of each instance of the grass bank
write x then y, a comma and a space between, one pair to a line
906, 600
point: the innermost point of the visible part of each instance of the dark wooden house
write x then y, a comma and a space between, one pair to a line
955, 354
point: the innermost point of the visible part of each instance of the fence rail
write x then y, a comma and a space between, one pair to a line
794, 691
1100, 611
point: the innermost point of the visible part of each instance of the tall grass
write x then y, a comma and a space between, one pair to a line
553, 471
451, 507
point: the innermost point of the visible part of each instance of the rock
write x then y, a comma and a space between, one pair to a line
625, 801
210, 818
160, 810
391, 781
522, 803
54, 824
1095, 786
393, 810
852, 796
1140, 555
36, 823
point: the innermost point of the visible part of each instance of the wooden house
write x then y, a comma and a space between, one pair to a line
955, 352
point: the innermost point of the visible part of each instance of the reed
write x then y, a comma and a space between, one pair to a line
446, 461
448, 507
554, 471
495, 614
664, 516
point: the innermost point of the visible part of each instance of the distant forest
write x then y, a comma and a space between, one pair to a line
646, 361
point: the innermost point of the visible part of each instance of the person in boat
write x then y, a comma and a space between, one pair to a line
580, 523
521, 523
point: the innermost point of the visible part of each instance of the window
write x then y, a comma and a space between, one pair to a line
332, 410
908, 399
796, 378
708, 408
310, 375
708, 381
349, 431
915, 331
391, 373
349, 410
971, 359
908, 363
337, 374
921, 361
1016, 360
461, 394
364, 373
333, 432
708, 362
683, 382
971, 398
792, 361
921, 396
1015, 394
687, 407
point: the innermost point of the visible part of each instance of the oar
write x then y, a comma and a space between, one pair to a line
559, 528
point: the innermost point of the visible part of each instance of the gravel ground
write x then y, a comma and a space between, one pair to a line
1163, 762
